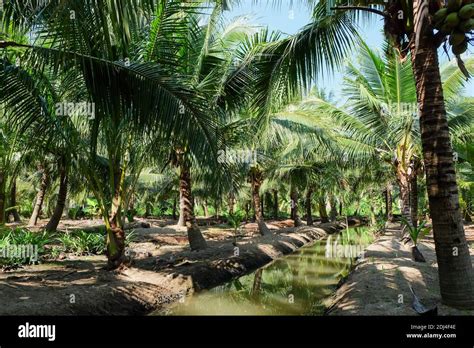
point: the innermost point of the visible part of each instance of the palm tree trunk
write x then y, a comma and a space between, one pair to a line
147, 209
414, 200
66, 207
269, 200
275, 204
205, 207
3, 181
182, 208
404, 186
115, 233
175, 203
61, 202
322, 209
256, 179
231, 203
333, 204
217, 208
388, 203
116, 211
39, 197
294, 208
115, 244
309, 213
129, 211
373, 217
195, 238
247, 211
14, 211
454, 262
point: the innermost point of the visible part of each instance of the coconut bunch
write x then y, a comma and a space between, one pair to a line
457, 21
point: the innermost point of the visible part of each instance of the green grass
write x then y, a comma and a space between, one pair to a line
22, 237
51, 245
82, 242
86, 242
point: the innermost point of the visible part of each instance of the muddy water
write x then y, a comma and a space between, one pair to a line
293, 285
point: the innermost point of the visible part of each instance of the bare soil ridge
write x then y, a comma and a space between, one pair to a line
161, 269
379, 284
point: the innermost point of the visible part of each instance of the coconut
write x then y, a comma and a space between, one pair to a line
454, 5
460, 49
467, 25
446, 29
456, 38
452, 20
466, 12
440, 15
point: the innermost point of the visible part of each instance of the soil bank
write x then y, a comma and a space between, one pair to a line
161, 269
379, 284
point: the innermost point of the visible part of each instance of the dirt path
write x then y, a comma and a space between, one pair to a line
160, 271
379, 283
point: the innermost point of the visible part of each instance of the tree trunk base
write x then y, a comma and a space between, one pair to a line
115, 255
181, 222
416, 255
459, 304
113, 265
262, 228
196, 240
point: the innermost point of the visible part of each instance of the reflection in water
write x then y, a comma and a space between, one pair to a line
293, 285
257, 283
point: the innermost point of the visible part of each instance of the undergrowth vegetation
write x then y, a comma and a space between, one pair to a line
20, 246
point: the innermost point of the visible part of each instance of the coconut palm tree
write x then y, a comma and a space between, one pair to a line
300, 141
13, 147
153, 98
208, 65
299, 61
418, 35
465, 171
381, 114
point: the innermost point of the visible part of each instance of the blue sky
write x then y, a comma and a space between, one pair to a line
289, 19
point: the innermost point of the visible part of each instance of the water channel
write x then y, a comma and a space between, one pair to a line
293, 285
